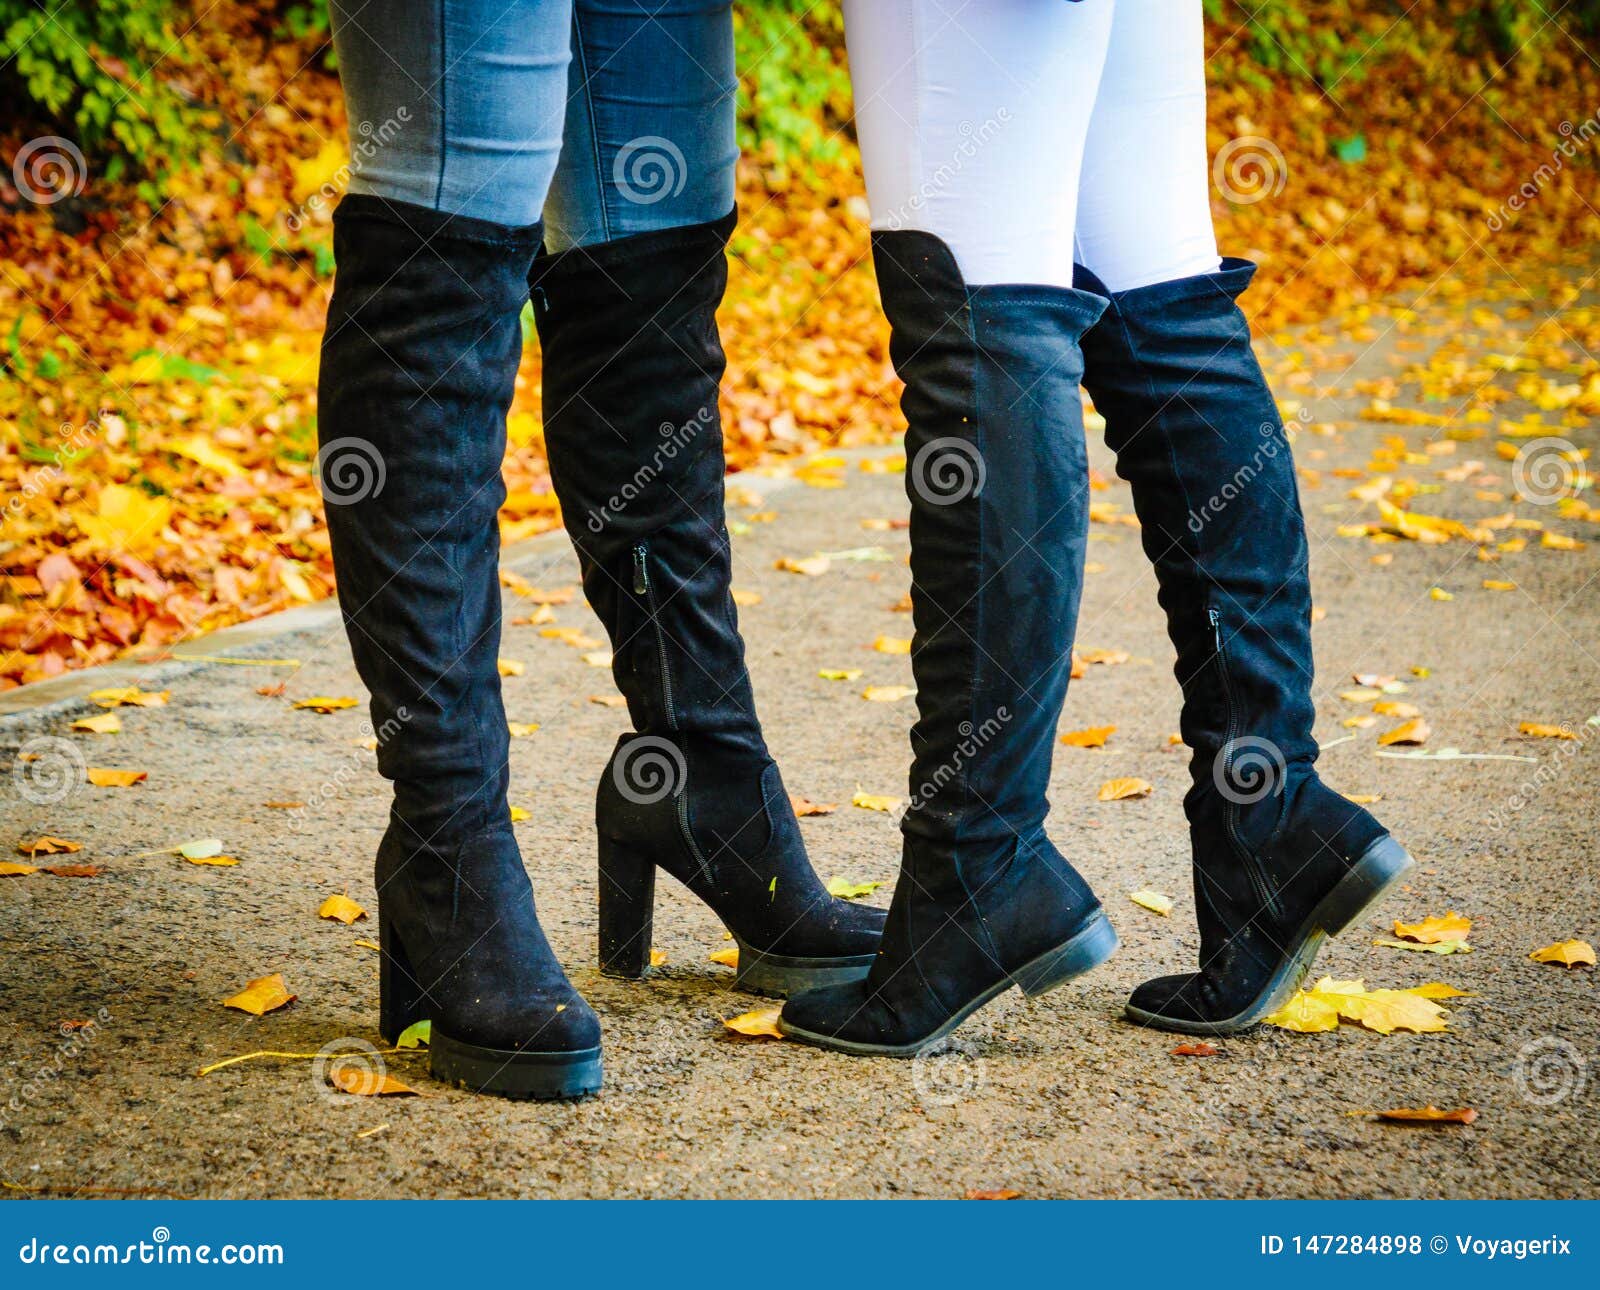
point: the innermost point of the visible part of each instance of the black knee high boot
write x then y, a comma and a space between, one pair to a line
998, 482
632, 364
418, 363
1280, 860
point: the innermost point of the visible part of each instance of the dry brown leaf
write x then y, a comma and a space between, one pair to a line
263, 995
73, 870
1196, 1050
1430, 1114
1124, 789
368, 1083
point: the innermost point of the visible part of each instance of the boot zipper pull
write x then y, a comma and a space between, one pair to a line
641, 577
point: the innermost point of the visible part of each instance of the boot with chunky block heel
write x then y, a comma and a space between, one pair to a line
999, 485
418, 362
1280, 860
632, 365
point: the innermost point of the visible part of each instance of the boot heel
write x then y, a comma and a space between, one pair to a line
400, 995
1087, 950
1381, 866
627, 908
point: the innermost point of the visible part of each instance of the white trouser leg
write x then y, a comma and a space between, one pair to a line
1144, 199
972, 117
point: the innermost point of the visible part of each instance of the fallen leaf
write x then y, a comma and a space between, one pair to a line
1567, 953
1412, 732
1430, 1114
341, 908
658, 958
325, 704
1438, 990
1442, 947
225, 862
1537, 731
804, 806
522, 729
415, 1035
200, 849
1003, 1193
1196, 1050
284, 806
73, 870
1154, 901
45, 845
263, 995
1359, 723
1102, 657
1439, 593
109, 777
846, 890
520, 813
129, 696
1093, 737
1498, 584
609, 700
272, 691
1559, 542
1433, 930
728, 957
874, 802
811, 566
888, 693
839, 673
107, 723
1396, 708
368, 1083
1330, 1002
892, 645
745, 599
12, 869
760, 1022
1118, 790
597, 658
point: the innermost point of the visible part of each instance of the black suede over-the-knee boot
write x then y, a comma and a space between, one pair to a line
999, 487
418, 365
632, 364
1280, 860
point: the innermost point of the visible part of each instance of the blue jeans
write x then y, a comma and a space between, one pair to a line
603, 117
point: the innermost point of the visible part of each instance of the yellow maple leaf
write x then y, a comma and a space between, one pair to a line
760, 1022
1093, 737
263, 995
1537, 731
887, 693
811, 566
110, 777
1306, 1014
1124, 789
341, 908
1412, 732
1567, 953
325, 704
728, 957
1154, 901
106, 723
892, 645
1432, 930
873, 801
125, 519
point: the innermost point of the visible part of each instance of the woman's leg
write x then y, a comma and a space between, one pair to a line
461, 103
1279, 859
972, 121
639, 218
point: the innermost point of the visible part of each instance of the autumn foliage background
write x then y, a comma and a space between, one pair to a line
159, 326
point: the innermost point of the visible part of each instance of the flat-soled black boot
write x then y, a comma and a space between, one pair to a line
1280, 860
998, 481
418, 364
632, 364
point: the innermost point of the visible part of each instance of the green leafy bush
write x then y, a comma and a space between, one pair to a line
90, 67
794, 86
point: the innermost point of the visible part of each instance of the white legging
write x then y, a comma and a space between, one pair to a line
1029, 133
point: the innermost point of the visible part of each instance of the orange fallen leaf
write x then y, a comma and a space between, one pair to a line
12, 869
1433, 930
284, 806
658, 958
1396, 708
1430, 1114
1124, 789
263, 995
1093, 737
1103, 657
45, 845
811, 566
341, 908
804, 806
892, 645
110, 777
1195, 1050
324, 704
1002, 1193
273, 690
608, 700
106, 723
1537, 731
745, 599
368, 1083
761, 1022
1412, 732
1566, 953
73, 870
728, 957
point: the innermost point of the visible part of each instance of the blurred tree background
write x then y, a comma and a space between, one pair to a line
165, 252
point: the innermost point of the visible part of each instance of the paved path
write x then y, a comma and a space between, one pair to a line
1057, 1097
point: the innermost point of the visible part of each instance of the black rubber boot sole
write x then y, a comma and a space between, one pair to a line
1084, 951
522, 1076
1369, 880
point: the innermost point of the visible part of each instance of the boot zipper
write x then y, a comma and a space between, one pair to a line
642, 587
1230, 810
